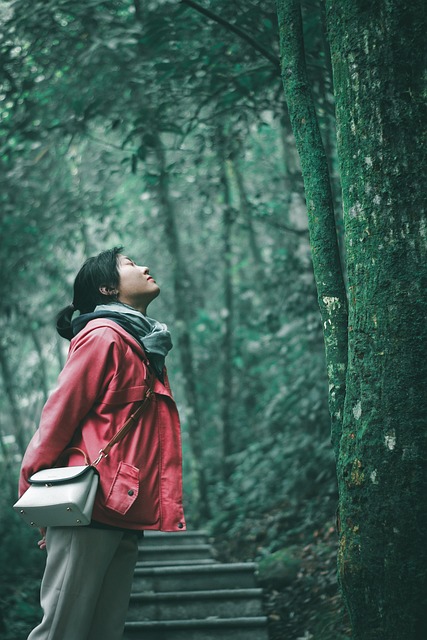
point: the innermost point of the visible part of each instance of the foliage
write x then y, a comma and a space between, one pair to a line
311, 607
88, 89
22, 564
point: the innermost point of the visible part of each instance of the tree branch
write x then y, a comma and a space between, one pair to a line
280, 225
231, 27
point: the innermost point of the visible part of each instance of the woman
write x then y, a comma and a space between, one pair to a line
115, 350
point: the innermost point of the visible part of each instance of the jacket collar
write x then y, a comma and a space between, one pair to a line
99, 323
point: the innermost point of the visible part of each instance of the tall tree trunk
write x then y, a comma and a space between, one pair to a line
330, 136
7, 469
245, 208
227, 330
44, 385
59, 352
377, 55
292, 177
41, 377
17, 426
323, 238
182, 292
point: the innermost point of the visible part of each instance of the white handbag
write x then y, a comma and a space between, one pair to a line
64, 496
60, 497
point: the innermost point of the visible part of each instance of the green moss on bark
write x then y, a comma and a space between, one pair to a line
377, 61
321, 219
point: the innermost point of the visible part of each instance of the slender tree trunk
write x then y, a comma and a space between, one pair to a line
292, 178
59, 352
182, 291
228, 317
245, 208
7, 476
41, 377
326, 89
377, 55
42, 365
17, 426
323, 237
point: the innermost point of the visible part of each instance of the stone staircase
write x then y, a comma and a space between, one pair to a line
181, 593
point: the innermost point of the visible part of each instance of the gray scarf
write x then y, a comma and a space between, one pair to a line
152, 334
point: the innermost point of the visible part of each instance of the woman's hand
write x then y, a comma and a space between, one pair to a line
42, 542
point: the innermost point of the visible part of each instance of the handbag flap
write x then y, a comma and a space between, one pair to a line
59, 475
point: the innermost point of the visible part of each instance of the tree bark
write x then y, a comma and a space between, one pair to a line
377, 56
182, 291
323, 238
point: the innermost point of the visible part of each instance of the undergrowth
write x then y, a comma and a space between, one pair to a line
21, 563
284, 496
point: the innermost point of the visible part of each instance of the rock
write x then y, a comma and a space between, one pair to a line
280, 568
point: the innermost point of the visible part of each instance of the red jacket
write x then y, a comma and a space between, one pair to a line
103, 380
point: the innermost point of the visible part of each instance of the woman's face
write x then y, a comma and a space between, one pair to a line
136, 287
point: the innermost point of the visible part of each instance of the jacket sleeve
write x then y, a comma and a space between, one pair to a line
90, 365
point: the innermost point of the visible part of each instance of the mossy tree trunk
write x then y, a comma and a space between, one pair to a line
382, 443
377, 56
321, 220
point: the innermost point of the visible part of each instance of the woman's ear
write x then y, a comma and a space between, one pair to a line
108, 291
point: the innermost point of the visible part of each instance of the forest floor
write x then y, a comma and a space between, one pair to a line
309, 607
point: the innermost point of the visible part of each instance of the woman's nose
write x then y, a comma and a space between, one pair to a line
145, 270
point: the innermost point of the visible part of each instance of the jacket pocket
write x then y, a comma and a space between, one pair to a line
124, 489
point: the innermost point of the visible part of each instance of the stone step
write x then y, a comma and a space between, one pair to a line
242, 628
171, 552
176, 538
221, 603
239, 575
176, 563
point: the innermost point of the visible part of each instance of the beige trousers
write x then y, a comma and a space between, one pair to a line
86, 585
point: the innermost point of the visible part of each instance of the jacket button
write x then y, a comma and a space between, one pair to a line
180, 525
130, 492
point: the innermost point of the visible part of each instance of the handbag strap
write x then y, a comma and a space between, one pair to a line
70, 450
130, 422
